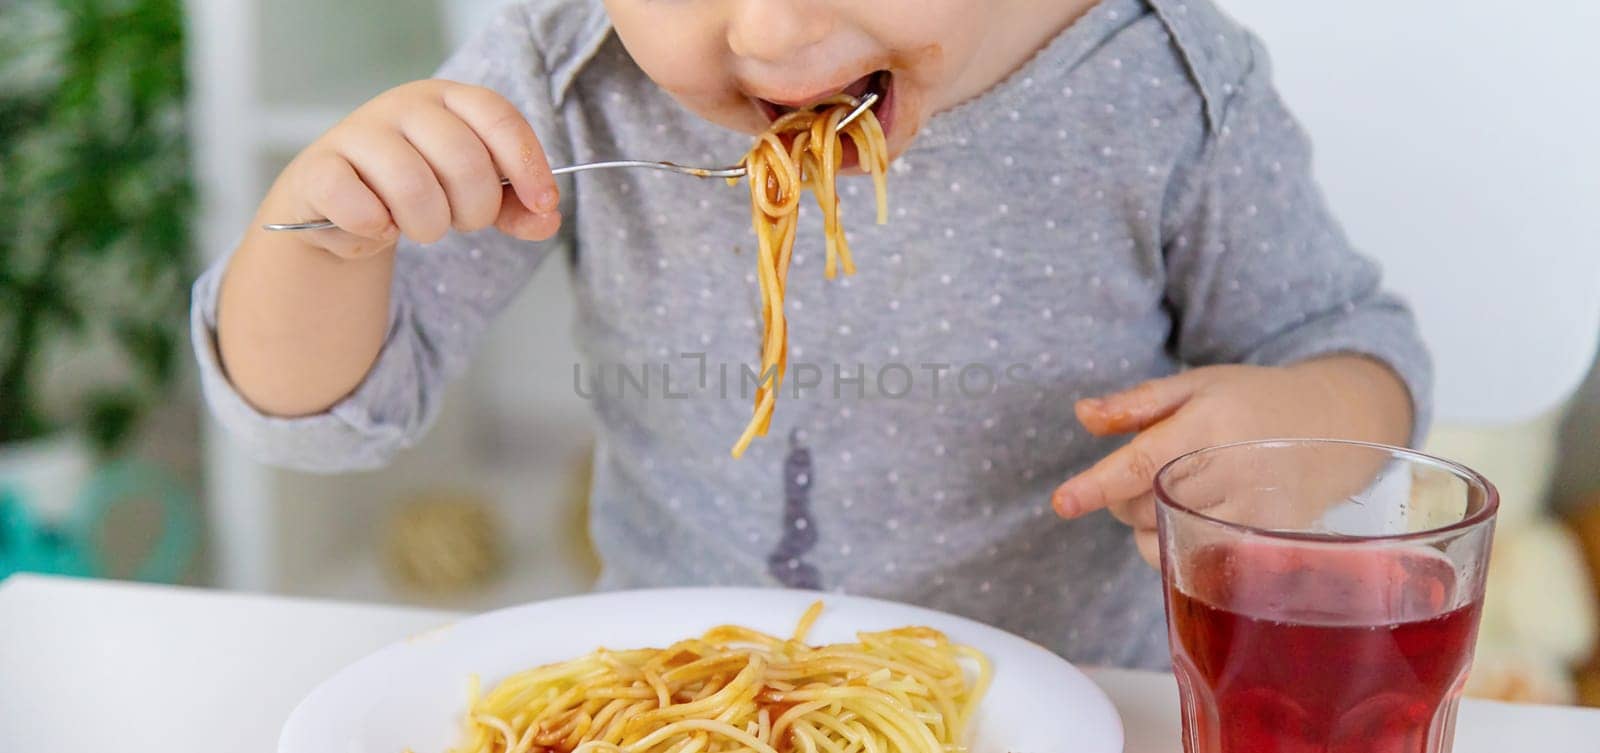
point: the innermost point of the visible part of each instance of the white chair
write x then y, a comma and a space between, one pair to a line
1456, 140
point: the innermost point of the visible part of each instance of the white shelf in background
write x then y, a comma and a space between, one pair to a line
546, 553
360, 577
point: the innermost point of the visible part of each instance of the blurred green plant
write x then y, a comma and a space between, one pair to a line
95, 200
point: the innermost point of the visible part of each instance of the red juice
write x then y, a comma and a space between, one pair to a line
1305, 648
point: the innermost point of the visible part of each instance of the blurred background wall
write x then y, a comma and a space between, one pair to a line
125, 465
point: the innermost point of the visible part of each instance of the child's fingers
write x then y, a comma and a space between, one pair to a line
402, 178
1138, 513
337, 192
1138, 408
516, 221
1149, 546
511, 142
1123, 475
462, 165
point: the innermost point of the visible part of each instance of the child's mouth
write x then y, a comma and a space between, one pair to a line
879, 82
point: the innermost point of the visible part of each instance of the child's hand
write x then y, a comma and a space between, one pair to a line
419, 160
1347, 397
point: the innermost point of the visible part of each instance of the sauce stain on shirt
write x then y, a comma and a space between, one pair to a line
799, 529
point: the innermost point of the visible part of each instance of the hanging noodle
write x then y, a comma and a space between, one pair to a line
736, 690
802, 150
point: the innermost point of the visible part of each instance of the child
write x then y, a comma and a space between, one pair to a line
1103, 224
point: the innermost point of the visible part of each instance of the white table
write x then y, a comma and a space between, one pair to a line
103, 667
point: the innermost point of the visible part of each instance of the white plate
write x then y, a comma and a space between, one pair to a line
411, 695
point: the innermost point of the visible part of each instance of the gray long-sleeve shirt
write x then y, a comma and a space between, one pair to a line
1133, 200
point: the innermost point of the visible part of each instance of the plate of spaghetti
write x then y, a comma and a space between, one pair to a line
708, 670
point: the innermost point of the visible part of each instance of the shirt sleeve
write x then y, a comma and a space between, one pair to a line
444, 297
1259, 271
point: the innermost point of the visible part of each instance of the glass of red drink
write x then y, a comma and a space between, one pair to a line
1322, 595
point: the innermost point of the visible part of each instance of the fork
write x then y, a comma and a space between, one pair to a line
732, 171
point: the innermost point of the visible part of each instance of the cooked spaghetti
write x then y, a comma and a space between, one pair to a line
802, 150
736, 690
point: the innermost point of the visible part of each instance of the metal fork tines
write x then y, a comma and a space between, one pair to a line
731, 171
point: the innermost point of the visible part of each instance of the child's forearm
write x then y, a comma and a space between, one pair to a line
1376, 405
298, 327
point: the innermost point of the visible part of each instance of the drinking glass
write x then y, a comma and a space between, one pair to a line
1322, 595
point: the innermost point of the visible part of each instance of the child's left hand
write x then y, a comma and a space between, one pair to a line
1346, 397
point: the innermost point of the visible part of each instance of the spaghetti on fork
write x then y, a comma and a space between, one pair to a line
802, 150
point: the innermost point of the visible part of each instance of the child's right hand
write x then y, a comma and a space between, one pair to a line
419, 160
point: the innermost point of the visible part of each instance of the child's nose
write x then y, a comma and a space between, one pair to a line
775, 30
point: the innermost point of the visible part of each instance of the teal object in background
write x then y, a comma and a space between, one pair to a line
27, 546
30, 545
